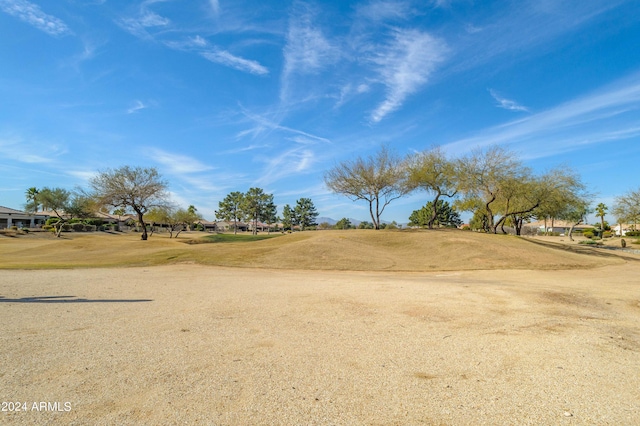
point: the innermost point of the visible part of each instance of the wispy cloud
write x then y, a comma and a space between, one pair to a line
610, 114
25, 151
307, 50
405, 65
215, 7
228, 59
84, 175
384, 10
201, 46
521, 27
137, 106
33, 15
245, 149
145, 19
506, 103
178, 163
291, 162
264, 123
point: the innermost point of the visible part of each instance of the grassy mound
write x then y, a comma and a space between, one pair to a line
357, 250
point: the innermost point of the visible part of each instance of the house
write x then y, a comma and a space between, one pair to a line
227, 226
260, 226
558, 226
10, 217
207, 225
621, 229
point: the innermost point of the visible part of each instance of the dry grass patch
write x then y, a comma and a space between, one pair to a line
359, 250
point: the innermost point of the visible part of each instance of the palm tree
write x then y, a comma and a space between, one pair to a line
32, 198
601, 211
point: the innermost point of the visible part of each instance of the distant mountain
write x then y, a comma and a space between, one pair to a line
330, 221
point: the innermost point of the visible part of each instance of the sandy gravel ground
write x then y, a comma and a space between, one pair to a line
190, 344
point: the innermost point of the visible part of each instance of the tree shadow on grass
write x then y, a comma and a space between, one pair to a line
68, 299
583, 249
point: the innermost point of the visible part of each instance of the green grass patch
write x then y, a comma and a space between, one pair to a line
232, 238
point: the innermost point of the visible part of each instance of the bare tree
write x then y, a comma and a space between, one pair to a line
433, 172
377, 179
485, 175
507, 190
66, 205
627, 208
135, 188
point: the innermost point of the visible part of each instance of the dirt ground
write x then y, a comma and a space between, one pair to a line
187, 344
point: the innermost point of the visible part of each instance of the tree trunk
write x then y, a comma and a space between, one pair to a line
144, 226
376, 224
58, 228
518, 225
490, 223
434, 214
571, 229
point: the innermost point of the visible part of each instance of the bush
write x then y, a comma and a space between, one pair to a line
90, 228
590, 242
47, 227
587, 234
25, 230
66, 227
633, 234
52, 220
77, 227
606, 234
96, 222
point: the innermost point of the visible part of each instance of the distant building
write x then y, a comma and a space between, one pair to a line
10, 217
558, 226
621, 229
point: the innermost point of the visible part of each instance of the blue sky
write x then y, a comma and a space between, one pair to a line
224, 95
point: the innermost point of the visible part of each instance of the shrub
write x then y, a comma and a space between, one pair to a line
52, 220
14, 228
633, 234
25, 230
47, 227
606, 234
77, 227
96, 222
590, 242
587, 234
66, 227
90, 228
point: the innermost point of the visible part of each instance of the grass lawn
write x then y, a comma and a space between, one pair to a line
232, 238
356, 250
